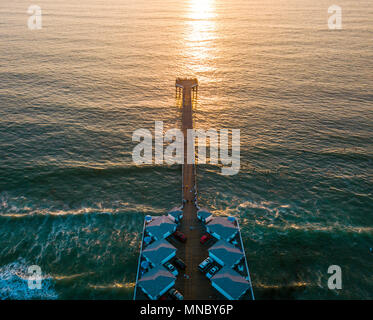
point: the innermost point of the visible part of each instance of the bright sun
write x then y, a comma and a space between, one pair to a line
202, 9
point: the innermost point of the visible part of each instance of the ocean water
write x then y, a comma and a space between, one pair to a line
72, 93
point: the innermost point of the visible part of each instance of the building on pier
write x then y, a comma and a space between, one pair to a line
230, 284
159, 252
175, 214
226, 254
204, 215
160, 227
222, 228
156, 282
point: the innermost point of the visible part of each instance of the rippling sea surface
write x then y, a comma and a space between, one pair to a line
71, 95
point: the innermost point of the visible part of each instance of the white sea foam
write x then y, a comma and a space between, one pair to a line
14, 283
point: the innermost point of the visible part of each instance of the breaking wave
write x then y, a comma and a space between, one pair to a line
14, 283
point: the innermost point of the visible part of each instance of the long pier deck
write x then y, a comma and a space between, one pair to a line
225, 248
194, 285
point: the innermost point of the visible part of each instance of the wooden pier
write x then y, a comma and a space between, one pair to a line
193, 285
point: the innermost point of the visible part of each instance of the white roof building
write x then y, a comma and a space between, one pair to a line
225, 253
175, 214
230, 284
160, 227
159, 252
222, 228
204, 215
156, 282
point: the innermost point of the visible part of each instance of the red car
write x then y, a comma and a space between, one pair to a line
180, 236
205, 238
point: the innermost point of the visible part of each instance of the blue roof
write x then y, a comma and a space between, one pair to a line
203, 214
176, 213
226, 252
223, 227
158, 251
230, 282
160, 226
156, 280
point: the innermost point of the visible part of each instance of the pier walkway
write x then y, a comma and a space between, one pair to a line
194, 285
232, 278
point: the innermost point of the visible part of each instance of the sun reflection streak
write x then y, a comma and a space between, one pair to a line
202, 9
200, 36
201, 15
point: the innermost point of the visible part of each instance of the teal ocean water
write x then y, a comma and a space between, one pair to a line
72, 93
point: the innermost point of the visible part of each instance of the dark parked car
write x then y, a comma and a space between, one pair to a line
175, 294
171, 268
205, 238
179, 263
180, 236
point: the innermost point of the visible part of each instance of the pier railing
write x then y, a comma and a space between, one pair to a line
139, 261
247, 267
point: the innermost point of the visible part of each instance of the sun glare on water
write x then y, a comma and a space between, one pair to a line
200, 35
202, 9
